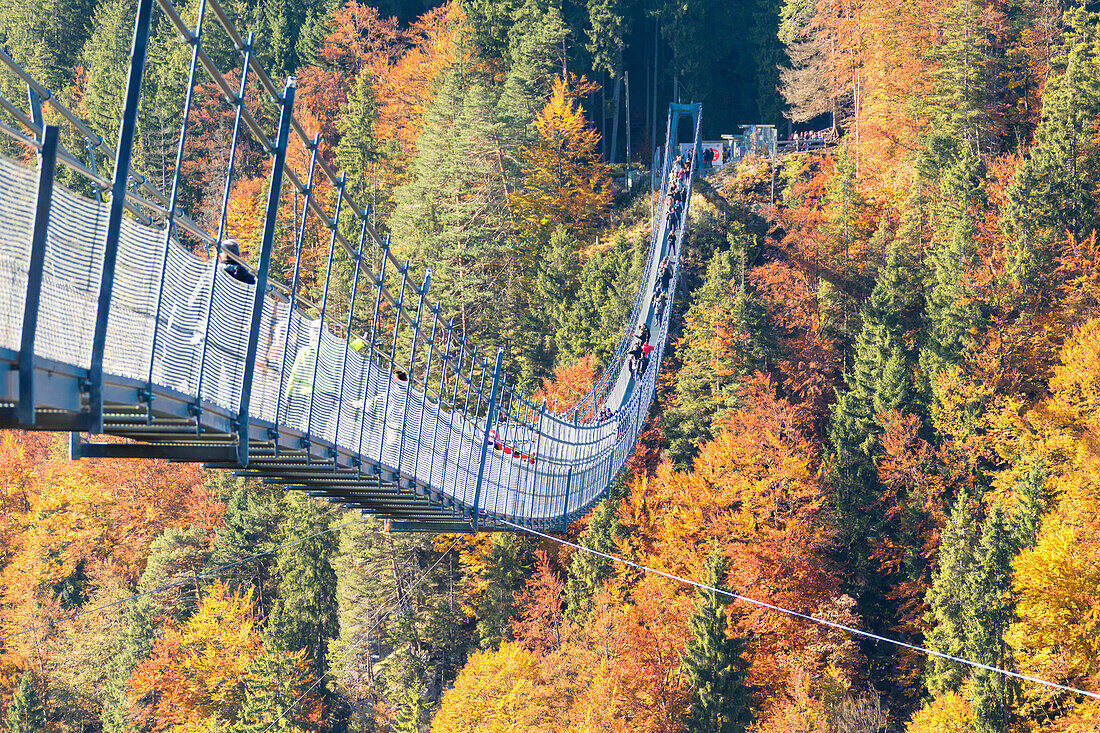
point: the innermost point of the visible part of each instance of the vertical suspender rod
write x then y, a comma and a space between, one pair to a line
492, 410
125, 148
47, 166
267, 244
173, 200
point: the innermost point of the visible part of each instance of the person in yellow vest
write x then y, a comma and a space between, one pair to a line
301, 386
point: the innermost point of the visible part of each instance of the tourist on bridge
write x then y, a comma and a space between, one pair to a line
231, 259
660, 301
665, 274
302, 390
643, 362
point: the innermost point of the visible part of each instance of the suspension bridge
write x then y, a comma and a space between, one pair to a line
110, 324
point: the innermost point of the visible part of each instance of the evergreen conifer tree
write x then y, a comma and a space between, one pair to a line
994, 609
952, 311
960, 92
714, 664
135, 643
358, 152
535, 58
273, 683
25, 713
453, 214
304, 613
253, 514
45, 37
587, 572
951, 599
1053, 191
414, 708
508, 566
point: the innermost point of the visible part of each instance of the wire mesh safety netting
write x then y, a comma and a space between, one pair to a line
180, 322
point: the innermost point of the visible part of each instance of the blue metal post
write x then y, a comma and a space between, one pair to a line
299, 240
47, 166
389, 370
238, 102
485, 441
335, 226
173, 198
465, 412
90, 147
114, 219
454, 408
35, 102
536, 445
347, 329
412, 366
444, 362
379, 283
424, 398
267, 244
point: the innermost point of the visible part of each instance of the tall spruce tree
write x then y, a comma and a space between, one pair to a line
358, 150
253, 515
990, 587
880, 380
25, 713
453, 214
536, 56
714, 663
135, 643
273, 684
950, 597
304, 613
1053, 191
509, 565
587, 572
414, 709
952, 309
960, 63
45, 37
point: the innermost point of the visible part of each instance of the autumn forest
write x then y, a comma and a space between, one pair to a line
880, 406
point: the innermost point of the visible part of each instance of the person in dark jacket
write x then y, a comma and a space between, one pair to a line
231, 259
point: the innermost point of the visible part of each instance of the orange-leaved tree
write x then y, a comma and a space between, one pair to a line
565, 182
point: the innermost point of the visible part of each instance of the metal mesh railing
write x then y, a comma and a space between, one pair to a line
416, 404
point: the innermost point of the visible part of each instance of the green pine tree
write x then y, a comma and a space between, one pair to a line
725, 340
304, 612
358, 151
25, 713
714, 663
1053, 191
45, 37
535, 57
990, 587
950, 597
508, 567
253, 514
414, 710
453, 215
960, 92
952, 310
272, 687
588, 572
135, 643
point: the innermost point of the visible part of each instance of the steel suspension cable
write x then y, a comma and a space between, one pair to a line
353, 647
805, 616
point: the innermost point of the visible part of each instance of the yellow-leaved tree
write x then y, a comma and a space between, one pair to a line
565, 182
212, 670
